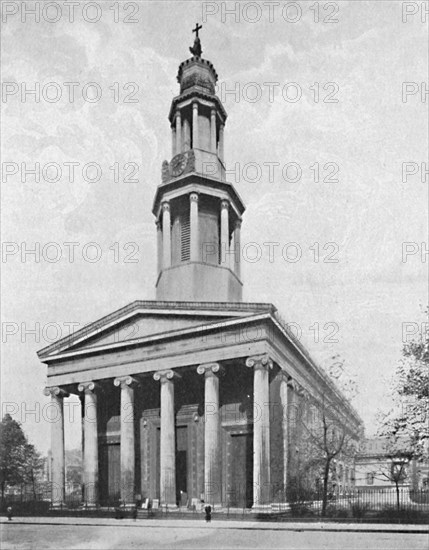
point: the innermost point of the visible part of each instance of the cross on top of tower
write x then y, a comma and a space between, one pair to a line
196, 49
197, 28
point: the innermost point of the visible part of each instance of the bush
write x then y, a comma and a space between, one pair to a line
301, 509
359, 509
403, 515
333, 511
27, 508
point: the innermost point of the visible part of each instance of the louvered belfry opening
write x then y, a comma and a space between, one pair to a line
185, 238
181, 231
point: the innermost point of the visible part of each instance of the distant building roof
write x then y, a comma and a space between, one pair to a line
376, 445
380, 446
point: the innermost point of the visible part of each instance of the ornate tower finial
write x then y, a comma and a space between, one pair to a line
196, 49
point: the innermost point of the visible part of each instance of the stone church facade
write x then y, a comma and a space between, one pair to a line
189, 396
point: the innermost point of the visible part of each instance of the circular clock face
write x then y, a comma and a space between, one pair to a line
177, 165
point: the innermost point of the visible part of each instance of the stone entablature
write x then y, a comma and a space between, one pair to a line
196, 183
207, 100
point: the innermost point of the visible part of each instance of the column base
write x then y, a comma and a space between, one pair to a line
57, 505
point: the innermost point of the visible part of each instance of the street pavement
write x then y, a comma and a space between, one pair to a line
105, 533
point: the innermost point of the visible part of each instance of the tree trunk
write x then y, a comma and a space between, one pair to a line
397, 497
325, 487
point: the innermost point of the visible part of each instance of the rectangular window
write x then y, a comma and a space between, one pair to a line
370, 478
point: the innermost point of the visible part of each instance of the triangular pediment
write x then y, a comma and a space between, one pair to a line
142, 320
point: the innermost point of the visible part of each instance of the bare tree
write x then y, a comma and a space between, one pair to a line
396, 469
328, 439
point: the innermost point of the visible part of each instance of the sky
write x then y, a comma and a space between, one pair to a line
316, 139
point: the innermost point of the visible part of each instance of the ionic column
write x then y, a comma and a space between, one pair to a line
178, 133
285, 432
166, 235
193, 219
57, 444
224, 233
213, 130
186, 135
159, 246
168, 443
212, 469
261, 428
90, 449
127, 450
221, 142
195, 134
237, 248
173, 141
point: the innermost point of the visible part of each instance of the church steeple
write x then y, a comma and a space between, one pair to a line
198, 212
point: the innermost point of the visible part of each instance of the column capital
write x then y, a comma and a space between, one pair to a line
165, 206
193, 197
55, 391
259, 362
224, 204
165, 375
87, 386
212, 111
124, 381
296, 387
209, 369
195, 104
284, 375
178, 113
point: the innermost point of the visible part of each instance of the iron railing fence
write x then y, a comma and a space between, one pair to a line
355, 504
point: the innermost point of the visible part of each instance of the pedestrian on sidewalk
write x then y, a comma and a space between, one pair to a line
208, 511
9, 513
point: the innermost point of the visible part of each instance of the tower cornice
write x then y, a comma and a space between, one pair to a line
195, 93
202, 184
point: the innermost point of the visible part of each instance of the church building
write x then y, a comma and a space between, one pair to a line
189, 397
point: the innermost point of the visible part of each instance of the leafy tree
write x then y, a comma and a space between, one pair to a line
74, 469
408, 419
20, 463
33, 467
12, 453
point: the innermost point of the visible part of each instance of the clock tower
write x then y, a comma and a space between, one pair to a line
198, 213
